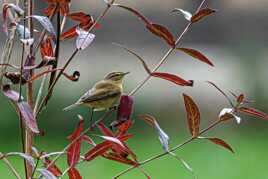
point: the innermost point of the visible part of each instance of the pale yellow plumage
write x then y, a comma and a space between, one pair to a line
104, 94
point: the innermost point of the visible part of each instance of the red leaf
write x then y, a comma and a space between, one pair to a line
221, 143
201, 14
240, 99
125, 108
196, 54
73, 152
253, 112
52, 167
156, 29
74, 174
46, 48
80, 16
104, 130
70, 33
101, 148
173, 78
139, 15
162, 32
124, 127
193, 115
28, 117
118, 158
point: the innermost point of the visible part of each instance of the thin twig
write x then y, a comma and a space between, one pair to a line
10, 166
155, 157
164, 58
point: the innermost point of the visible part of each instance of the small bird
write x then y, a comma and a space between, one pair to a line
104, 94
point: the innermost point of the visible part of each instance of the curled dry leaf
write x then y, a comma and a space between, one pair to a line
11, 94
163, 137
46, 173
15, 8
240, 99
196, 54
15, 77
173, 78
84, 39
46, 48
45, 22
187, 15
201, 14
28, 116
219, 142
73, 173
193, 115
253, 112
74, 77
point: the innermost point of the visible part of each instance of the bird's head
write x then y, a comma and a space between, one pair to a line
116, 76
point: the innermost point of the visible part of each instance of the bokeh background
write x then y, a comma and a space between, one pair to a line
235, 39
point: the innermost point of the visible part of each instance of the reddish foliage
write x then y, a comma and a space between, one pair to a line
193, 115
253, 112
201, 14
74, 174
221, 143
73, 152
173, 78
52, 167
60, 5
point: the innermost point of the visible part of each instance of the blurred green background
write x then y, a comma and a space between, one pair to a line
235, 39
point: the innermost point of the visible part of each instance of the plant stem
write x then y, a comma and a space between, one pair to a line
164, 58
155, 157
28, 133
10, 166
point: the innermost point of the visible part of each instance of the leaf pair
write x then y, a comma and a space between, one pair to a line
196, 17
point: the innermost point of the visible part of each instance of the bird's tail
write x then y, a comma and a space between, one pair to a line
71, 107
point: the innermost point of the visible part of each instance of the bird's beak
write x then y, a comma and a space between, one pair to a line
126, 73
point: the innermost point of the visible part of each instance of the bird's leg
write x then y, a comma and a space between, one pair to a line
113, 108
91, 116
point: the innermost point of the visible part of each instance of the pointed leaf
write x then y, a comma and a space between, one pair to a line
135, 12
113, 140
70, 33
145, 66
84, 39
240, 99
46, 48
196, 54
201, 14
173, 78
52, 167
253, 112
187, 15
162, 32
73, 152
193, 115
221, 143
28, 117
73, 173
104, 130
80, 16
99, 149
118, 158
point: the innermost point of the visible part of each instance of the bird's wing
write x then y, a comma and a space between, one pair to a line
99, 94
